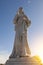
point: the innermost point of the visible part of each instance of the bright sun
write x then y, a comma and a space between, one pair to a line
40, 57
38, 46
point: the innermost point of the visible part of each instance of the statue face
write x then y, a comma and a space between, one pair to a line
20, 10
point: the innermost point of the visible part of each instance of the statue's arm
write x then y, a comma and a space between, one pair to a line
15, 19
28, 22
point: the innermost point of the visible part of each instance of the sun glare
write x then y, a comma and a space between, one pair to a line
41, 57
37, 46
40, 48
3, 58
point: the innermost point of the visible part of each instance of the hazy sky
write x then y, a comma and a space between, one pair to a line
34, 11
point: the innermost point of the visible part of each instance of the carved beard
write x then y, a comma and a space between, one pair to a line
20, 12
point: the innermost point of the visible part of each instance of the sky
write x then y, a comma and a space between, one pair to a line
34, 11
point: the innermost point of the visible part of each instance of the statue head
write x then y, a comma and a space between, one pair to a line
20, 11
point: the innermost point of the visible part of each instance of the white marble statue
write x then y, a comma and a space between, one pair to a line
21, 47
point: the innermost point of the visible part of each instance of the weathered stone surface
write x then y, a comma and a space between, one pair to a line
22, 61
21, 47
21, 52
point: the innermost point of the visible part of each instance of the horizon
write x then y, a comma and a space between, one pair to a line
34, 11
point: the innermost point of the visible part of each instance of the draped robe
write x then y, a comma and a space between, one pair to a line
21, 47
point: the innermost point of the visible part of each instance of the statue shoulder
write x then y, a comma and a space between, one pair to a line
27, 20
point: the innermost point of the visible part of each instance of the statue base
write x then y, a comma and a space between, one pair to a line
22, 61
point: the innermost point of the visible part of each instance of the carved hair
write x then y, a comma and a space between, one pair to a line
20, 9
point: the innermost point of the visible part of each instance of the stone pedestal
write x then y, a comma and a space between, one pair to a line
22, 61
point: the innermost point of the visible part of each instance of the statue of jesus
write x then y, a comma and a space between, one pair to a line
21, 48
